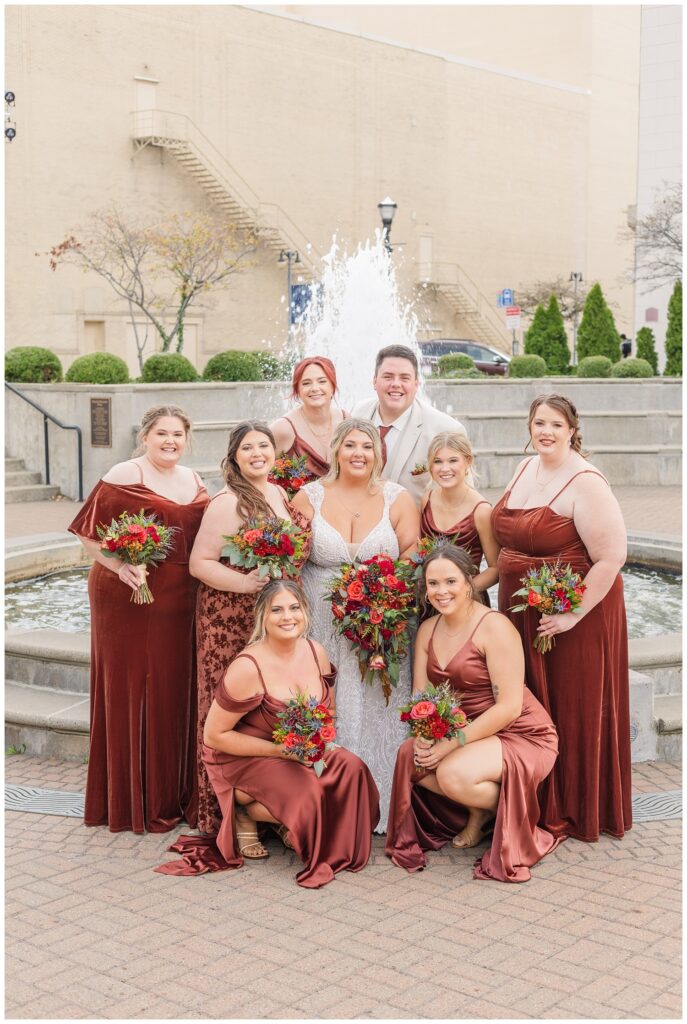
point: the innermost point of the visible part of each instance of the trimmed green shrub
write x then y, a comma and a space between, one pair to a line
594, 366
597, 335
98, 368
29, 364
464, 374
233, 365
273, 368
527, 366
546, 337
453, 361
168, 368
674, 334
646, 348
632, 368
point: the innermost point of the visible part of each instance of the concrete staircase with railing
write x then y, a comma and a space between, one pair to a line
178, 135
23, 485
466, 300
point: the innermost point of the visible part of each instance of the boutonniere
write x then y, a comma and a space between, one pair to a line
419, 469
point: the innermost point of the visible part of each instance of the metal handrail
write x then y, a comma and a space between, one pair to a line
63, 426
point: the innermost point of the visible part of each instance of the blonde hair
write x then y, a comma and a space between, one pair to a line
339, 436
262, 606
459, 443
150, 418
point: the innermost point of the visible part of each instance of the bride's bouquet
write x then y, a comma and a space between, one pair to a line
550, 590
139, 540
276, 547
373, 604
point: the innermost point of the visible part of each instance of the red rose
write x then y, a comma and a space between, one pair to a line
355, 591
137, 533
565, 605
391, 581
111, 545
153, 534
290, 740
423, 709
405, 716
375, 616
328, 733
286, 546
386, 633
533, 598
439, 728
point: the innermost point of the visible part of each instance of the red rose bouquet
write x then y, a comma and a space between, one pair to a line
550, 590
306, 729
435, 714
291, 472
276, 547
373, 603
137, 540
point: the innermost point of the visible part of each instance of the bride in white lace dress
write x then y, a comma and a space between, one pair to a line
354, 515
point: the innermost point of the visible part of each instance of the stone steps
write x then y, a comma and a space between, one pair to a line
47, 695
23, 485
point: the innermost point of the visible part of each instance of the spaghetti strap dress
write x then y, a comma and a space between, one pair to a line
224, 623
330, 819
420, 820
583, 682
466, 529
314, 462
141, 762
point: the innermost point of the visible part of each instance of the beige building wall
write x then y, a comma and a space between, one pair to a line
507, 136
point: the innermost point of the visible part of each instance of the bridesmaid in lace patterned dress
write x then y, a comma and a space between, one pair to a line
354, 515
456, 511
308, 429
226, 595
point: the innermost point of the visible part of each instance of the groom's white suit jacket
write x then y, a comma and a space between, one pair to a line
423, 424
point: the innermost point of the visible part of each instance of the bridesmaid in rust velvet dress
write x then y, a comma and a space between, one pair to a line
327, 820
559, 507
141, 765
443, 790
456, 512
226, 595
308, 429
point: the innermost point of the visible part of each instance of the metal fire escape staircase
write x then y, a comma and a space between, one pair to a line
467, 302
223, 184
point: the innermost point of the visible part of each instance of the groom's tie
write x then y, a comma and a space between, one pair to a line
383, 431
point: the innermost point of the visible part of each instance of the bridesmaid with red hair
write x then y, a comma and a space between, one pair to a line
308, 429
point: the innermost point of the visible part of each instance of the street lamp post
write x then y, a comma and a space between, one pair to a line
387, 208
576, 278
286, 256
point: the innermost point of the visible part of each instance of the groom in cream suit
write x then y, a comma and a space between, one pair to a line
406, 424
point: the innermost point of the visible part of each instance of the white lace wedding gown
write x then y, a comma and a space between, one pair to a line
364, 723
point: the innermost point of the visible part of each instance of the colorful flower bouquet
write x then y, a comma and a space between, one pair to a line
550, 590
138, 540
435, 714
307, 730
276, 547
373, 603
291, 472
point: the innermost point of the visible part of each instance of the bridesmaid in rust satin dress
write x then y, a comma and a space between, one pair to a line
327, 820
464, 516
141, 765
226, 595
558, 507
443, 791
308, 429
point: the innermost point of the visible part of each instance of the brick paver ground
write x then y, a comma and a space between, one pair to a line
93, 932
646, 510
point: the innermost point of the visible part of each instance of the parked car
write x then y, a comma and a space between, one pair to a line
488, 360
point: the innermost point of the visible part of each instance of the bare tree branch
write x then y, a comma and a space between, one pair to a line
658, 239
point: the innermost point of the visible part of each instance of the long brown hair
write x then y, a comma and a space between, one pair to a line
566, 408
251, 503
262, 602
452, 553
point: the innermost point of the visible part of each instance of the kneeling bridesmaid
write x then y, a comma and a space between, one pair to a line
327, 819
444, 791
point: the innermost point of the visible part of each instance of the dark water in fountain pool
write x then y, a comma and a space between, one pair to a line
60, 601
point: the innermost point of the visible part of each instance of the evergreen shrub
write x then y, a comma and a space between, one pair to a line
632, 368
98, 368
527, 366
546, 337
168, 368
29, 364
453, 361
674, 334
646, 348
594, 366
597, 335
233, 365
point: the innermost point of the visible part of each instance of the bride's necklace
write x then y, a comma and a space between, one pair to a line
356, 515
557, 472
327, 433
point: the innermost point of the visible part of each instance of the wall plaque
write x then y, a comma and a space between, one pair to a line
101, 423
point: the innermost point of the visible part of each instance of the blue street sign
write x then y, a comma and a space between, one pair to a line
507, 296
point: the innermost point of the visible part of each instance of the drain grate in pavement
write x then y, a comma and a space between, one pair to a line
645, 806
657, 806
44, 801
